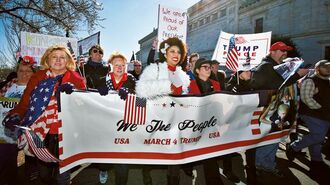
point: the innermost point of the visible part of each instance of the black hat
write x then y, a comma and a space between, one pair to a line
200, 62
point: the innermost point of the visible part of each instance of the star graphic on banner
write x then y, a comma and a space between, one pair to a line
164, 104
172, 104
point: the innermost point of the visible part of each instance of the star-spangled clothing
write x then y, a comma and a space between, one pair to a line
38, 107
40, 98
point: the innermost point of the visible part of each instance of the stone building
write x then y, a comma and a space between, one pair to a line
306, 22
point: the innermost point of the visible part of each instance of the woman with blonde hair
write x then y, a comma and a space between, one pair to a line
38, 107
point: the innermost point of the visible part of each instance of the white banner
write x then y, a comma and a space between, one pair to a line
177, 129
172, 22
35, 45
256, 46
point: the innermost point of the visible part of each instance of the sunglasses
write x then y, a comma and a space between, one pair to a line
98, 51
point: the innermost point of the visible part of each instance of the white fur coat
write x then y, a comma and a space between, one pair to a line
154, 81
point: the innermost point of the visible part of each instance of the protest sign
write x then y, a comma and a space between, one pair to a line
177, 130
35, 45
6, 104
172, 22
248, 47
85, 44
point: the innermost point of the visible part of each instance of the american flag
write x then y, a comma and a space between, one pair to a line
232, 55
135, 110
38, 147
240, 40
42, 113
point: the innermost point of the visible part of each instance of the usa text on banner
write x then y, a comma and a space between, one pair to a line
177, 129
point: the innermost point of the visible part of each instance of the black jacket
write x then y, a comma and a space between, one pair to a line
95, 74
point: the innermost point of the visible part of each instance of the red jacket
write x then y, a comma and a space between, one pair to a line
69, 76
194, 89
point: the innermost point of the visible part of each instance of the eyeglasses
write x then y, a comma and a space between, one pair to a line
206, 67
137, 65
284, 51
98, 51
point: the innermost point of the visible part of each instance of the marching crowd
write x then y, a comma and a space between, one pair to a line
172, 73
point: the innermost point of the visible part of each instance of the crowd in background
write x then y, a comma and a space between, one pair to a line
173, 72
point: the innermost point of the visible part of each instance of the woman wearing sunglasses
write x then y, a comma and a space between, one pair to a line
94, 70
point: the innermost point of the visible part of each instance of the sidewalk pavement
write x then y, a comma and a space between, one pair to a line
296, 173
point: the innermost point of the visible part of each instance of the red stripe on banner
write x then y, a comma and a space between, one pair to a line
169, 156
59, 122
254, 122
256, 131
257, 113
60, 137
60, 151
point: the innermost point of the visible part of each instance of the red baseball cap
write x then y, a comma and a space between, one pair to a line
280, 46
26, 60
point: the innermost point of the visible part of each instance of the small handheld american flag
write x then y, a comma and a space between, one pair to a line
38, 148
135, 110
232, 55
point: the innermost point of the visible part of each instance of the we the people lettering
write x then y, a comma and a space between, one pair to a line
160, 126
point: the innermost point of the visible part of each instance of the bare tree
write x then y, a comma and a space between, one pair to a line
54, 17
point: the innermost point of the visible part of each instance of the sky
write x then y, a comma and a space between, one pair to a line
126, 22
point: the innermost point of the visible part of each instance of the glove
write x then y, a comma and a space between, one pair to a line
67, 88
10, 121
103, 91
123, 92
175, 79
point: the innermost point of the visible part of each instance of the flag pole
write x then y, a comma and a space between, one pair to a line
237, 76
